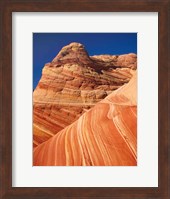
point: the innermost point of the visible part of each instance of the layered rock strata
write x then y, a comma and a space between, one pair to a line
106, 135
72, 84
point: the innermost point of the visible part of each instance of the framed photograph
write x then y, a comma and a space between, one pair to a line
74, 93
84, 106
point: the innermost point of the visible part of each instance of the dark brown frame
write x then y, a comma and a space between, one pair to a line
6, 9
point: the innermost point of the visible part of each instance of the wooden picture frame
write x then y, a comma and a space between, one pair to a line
6, 9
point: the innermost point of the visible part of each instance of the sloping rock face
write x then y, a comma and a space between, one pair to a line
72, 84
106, 135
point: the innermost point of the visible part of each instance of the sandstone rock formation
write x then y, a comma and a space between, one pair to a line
72, 84
106, 135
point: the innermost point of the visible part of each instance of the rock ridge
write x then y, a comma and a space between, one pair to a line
72, 84
106, 135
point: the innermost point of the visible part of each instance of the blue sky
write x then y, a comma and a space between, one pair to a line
47, 45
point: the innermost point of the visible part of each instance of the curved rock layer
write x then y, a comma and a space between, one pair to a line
106, 135
72, 84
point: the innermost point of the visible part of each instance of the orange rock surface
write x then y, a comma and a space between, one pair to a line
72, 84
106, 135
